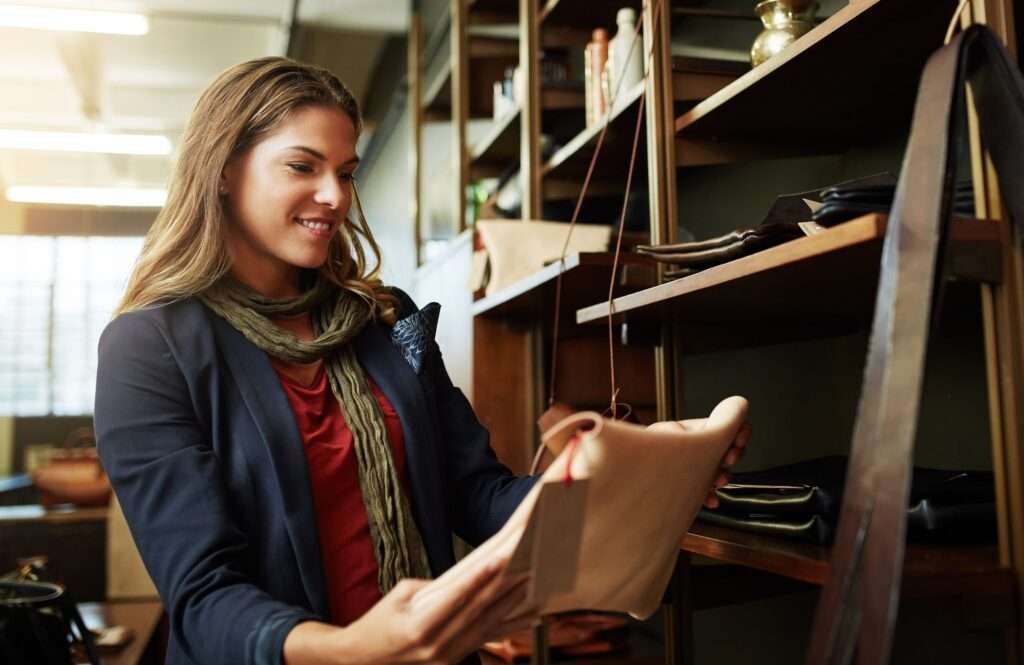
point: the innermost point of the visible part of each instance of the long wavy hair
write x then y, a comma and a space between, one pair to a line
185, 251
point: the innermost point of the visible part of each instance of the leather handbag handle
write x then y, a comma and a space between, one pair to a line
861, 595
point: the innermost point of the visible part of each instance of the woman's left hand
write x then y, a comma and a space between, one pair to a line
729, 460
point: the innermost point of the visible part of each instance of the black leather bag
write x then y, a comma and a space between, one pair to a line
38, 625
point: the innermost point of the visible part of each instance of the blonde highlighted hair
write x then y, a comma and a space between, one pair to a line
185, 251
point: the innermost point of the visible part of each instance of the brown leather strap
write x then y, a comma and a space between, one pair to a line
861, 595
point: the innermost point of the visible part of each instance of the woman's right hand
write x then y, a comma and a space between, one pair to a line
462, 614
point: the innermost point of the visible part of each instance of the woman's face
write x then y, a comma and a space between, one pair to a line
286, 195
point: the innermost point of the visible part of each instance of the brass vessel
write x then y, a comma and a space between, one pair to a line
784, 22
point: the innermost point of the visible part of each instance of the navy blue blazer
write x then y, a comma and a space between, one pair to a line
203, 452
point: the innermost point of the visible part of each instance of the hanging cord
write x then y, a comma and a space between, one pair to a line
582, 195
954, 21
618, 250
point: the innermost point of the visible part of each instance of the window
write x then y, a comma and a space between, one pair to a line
56, 296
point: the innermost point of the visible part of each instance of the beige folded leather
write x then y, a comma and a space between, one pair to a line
607, 540
517, 249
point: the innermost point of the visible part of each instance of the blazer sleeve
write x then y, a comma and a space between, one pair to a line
484, 492
164, 471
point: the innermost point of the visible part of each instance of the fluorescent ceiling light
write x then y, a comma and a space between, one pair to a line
73, 20
121, 144
89, 196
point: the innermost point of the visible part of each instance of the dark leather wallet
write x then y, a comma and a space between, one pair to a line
802, 500
843, 202
812, 528
706, 253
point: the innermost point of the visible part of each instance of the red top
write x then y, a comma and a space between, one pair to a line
346, 548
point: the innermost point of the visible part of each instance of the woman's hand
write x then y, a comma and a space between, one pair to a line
729, 460
459, 618
461, 614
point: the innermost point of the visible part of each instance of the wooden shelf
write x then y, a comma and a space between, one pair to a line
863, 62
815, 286
489, 12
696, 79
41, 514
585, 280
489, 56
598, 13
499, 147
437, 95
705, 12
927, 570
572, 159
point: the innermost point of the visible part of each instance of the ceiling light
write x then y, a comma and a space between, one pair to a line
120, 144
73, 20
89, 196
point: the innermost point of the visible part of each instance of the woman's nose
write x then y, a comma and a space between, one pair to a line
331, 192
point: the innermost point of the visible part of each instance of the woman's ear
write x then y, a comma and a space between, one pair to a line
228, 176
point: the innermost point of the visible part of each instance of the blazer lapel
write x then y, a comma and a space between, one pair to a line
400, 384
269, 408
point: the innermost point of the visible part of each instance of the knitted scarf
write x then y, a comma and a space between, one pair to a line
338, 316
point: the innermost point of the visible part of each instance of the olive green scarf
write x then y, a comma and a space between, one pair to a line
338, 316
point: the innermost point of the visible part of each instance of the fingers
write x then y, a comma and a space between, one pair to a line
694, 424
406, 589
438, 602
739, 445
472, 626
743, 436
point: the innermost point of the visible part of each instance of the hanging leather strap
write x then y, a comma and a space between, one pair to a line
861, 594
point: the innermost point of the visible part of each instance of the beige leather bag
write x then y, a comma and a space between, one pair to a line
606, 536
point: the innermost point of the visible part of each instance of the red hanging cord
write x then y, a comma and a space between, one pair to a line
579, 204
573, 444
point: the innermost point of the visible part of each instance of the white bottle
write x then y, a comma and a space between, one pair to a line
626, 58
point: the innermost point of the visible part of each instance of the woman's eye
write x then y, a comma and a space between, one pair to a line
347, 177
299, 167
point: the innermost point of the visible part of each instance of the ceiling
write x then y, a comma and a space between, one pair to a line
72, 81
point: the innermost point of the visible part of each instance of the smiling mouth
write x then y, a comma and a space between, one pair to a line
319, 227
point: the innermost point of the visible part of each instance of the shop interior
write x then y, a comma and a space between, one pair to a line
727, 169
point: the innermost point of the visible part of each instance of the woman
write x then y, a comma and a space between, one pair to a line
288, 449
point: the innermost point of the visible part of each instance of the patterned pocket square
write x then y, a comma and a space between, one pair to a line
414, 336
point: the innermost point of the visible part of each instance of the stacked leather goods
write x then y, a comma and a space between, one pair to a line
793, 216
801, 501
846, 201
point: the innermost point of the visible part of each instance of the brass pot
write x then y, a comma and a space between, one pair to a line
783, 24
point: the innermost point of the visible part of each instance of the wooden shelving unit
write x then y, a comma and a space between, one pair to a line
846, 87
572, 159
771, 287
585, 278
694, 79
489, 12
569, 12
490, 57
500, 146
863, 62
927, 569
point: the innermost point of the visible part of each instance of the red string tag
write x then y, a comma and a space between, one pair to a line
574, 442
